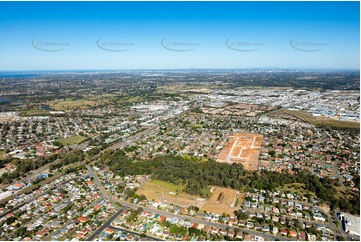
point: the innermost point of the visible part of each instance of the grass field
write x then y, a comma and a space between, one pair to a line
223, 200
88, 102
168, 185
167, 192
2, 154
135, 99
69, 104
71, 140
34, 112
195, 125
182, 88
323, 121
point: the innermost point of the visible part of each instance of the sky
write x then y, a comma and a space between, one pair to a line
176, 35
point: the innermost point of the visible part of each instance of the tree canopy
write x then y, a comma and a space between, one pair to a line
196, 176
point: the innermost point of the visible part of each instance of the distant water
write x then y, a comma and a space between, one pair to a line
4, 100
17, 75
46, 107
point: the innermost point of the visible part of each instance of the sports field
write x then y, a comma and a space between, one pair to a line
71, 140
242, 148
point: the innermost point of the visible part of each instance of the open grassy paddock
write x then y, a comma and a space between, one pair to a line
195, 125
82, 103
162, 191
2, 154
135, 99
34, 112
323, 121
71, 140
69, 104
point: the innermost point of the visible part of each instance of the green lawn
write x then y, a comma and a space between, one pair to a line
135, 99
34, 112
82, 103
195, 125
2, 154
70, 104
71, 140
170, 186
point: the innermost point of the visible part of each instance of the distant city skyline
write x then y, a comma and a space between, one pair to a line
179, 35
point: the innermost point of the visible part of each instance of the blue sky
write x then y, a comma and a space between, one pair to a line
163, 35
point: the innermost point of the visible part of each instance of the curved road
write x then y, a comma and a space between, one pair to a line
168, 214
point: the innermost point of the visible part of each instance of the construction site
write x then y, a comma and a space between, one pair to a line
242, 148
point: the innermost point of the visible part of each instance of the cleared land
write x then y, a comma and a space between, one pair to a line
71, 140
223, 200
2, 154
34, 112
242, 148
3, 120
195, 125
135, 99
183, 89
323, 121
167, 192
70, 104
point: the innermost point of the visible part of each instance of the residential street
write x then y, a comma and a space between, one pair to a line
168, 214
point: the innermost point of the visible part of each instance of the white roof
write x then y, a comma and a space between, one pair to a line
353, 224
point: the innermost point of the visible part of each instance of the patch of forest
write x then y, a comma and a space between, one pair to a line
196, 176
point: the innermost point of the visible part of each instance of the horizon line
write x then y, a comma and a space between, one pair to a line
167, 69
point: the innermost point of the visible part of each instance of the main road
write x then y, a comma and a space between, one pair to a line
122, 144
33, 198
169, 214
134, 138
339, 177
134, 233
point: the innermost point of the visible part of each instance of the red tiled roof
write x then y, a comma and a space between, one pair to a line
82, 219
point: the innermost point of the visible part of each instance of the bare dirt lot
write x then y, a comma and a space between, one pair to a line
169, 193
3, 120
243, 148
223, 200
